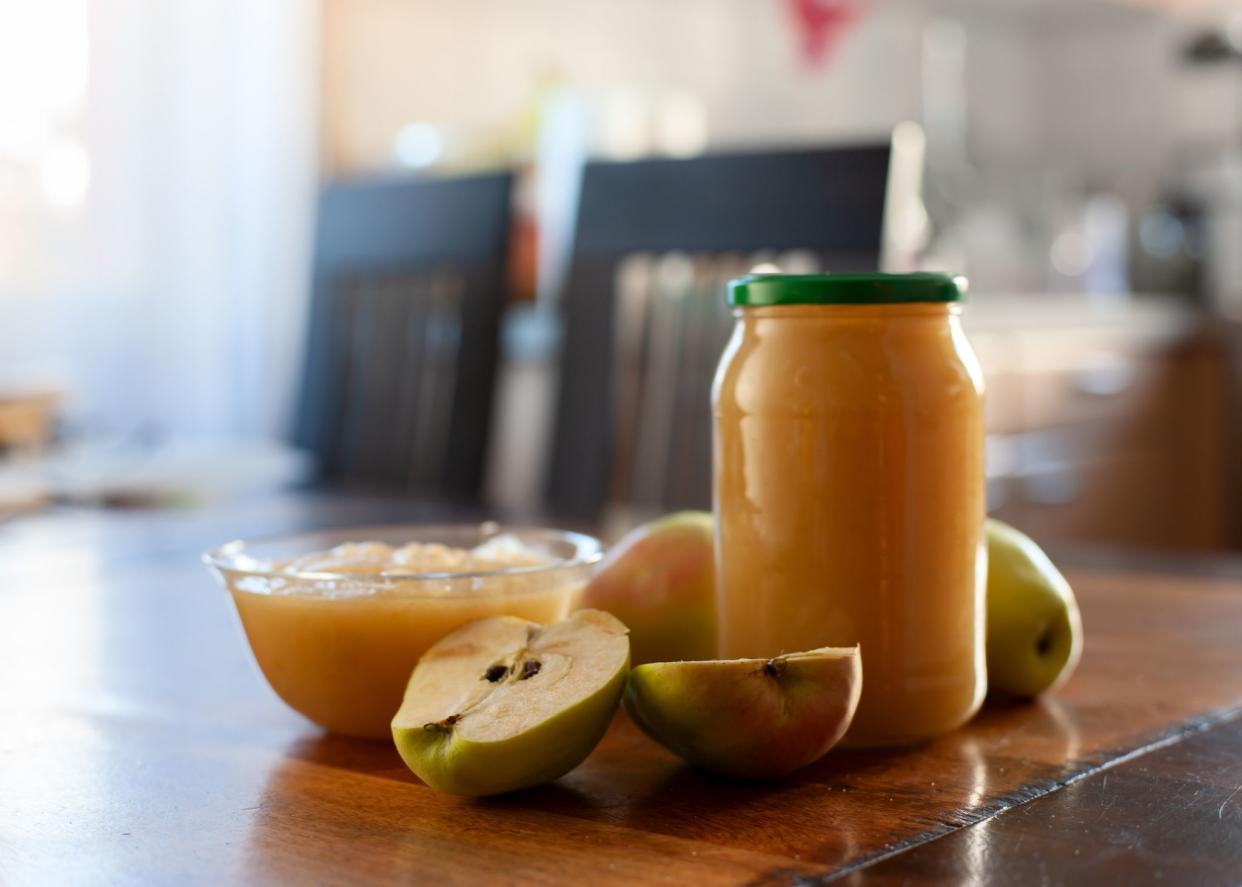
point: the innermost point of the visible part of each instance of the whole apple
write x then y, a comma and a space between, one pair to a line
660, 581
1034, 630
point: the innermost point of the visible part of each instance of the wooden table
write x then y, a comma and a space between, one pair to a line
140, 745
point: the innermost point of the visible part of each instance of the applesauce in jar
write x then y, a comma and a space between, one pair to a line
849, 490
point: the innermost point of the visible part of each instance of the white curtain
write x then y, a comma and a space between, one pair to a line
172, 296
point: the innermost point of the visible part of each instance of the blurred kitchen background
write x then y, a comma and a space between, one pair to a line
473, 251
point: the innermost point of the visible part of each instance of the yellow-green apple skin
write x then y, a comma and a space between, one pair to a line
660, 581
472, 724
1034, 630
748, 718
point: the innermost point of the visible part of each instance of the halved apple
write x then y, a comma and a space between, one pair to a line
504, 704
748, 718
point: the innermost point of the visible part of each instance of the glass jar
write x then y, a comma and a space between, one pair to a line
849, 490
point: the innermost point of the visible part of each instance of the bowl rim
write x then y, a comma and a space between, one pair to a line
224, 557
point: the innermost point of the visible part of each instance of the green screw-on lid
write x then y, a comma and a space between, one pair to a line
755, 290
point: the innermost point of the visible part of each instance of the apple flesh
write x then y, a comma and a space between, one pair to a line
748, 718
503, 704
660, 581
1034, 628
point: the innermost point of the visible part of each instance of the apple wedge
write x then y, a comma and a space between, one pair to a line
504, 704
748, 718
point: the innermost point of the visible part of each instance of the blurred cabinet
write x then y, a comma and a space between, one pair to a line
1121, 433
27, 420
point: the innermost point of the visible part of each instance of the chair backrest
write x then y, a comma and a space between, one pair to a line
644, 329
409, 284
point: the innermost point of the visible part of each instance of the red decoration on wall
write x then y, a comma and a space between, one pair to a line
820, 24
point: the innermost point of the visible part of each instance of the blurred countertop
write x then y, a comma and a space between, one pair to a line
1053, 331
1153, 316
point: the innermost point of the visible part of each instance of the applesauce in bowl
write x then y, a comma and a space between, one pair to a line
338, 619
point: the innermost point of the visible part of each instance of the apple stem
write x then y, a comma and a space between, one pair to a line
774, 668
444, 726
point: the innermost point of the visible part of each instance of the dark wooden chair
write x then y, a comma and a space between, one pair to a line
409, 282
644, 316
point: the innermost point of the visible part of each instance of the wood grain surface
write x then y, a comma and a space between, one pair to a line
1173, 815
140, 745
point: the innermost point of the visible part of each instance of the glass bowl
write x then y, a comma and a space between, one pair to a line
338, 646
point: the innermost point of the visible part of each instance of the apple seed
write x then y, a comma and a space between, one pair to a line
530, 668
